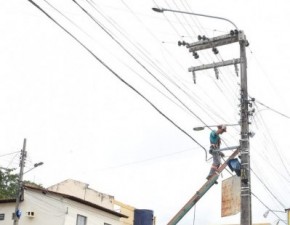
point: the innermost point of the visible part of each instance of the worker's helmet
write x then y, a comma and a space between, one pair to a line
223, 127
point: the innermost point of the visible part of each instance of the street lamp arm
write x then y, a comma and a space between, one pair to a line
161, 10
35, 165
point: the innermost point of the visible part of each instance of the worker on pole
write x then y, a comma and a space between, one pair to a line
215, 142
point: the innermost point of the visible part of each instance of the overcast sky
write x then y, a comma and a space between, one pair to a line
117, 110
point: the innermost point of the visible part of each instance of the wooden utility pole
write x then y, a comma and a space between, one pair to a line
20, 185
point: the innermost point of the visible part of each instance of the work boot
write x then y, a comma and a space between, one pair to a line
209, 177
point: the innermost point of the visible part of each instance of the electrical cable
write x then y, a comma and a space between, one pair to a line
117, 75
9, 153
144, 160
268, 189
268, 107
206, 111
220, 89
266, 206
275, 147
124, 48
119, 59
194, 212
130, 54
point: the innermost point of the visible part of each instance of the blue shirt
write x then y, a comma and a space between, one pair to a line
214, 137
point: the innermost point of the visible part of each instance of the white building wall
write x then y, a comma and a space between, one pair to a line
51, 209
7, 209
47, 210
94, 216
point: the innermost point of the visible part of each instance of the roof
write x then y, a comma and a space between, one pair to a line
7, 200
82, 201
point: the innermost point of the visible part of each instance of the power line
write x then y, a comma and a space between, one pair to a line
206, 111
274, 110
119, 59
130, 54
267, 207
268, 189
9, 153
143, 160
117, 75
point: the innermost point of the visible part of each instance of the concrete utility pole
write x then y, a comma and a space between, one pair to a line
20, 185
206, 43
234, 36
246, 206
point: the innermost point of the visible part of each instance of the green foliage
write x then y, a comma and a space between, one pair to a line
32, 184
8, 184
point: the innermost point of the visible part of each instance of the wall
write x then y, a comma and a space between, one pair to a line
94, 216
47, 209
126, 210
82, 191
53, 209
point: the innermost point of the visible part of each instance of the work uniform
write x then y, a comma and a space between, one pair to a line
215, 142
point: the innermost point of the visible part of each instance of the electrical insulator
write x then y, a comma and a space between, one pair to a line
182, 43
204, 37
216, 73
194, 77
215, 51
236, 69
199, 37
234, 32
196, 56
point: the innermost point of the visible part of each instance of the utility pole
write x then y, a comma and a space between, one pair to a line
206, 43
23, 155
246, 205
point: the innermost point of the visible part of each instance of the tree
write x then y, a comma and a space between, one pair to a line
8, 184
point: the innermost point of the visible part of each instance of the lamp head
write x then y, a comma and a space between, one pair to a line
158, 10
198, 128
38, 164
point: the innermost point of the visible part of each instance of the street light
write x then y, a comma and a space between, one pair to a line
161, 10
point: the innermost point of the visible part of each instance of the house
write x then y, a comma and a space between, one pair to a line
82, 191
45, 207
72, 202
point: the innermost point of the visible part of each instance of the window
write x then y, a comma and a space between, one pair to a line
81, 220
2, 216
106, 223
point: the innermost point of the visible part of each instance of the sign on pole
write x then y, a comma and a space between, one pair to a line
231, 199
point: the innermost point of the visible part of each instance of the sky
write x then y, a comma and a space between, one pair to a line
107, 99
